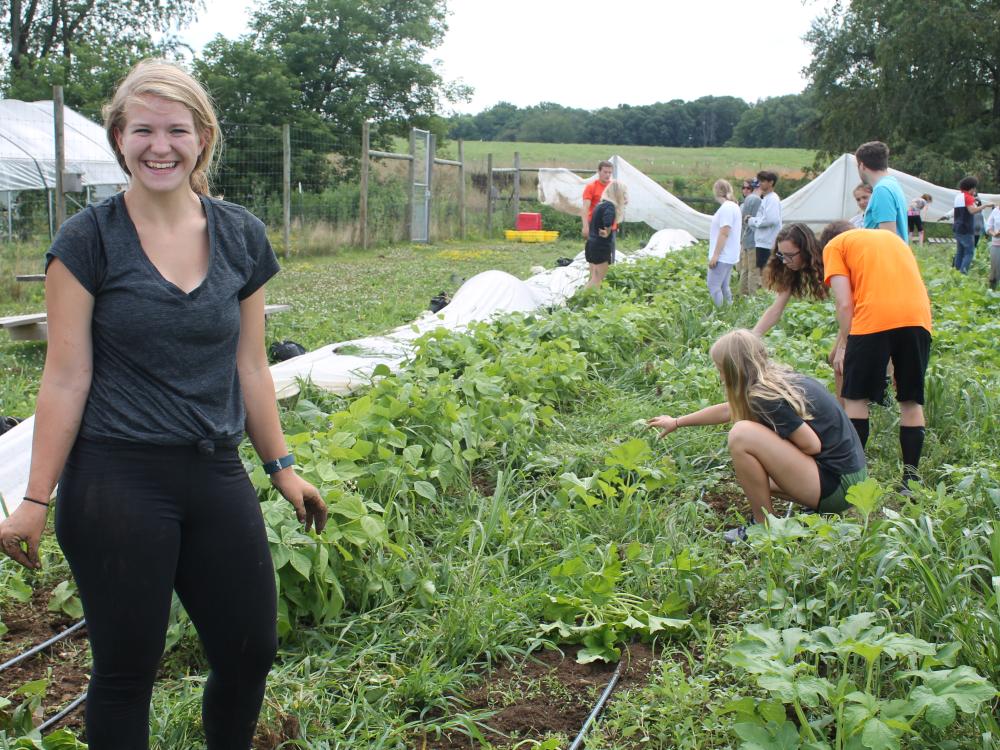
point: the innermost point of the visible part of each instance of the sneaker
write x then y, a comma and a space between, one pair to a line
739, 534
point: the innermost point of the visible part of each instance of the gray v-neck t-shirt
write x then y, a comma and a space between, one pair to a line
164, 360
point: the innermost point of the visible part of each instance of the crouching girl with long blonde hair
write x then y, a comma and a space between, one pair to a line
790, 438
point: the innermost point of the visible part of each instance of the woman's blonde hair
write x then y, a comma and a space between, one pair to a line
166, 80
616, 194
749, 375
723, 189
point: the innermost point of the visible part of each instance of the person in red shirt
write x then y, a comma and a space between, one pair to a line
592, 194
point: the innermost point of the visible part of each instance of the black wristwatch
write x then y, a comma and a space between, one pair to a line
271, 467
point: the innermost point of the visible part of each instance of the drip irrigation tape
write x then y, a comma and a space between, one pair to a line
42, 646
578, 742
77, 702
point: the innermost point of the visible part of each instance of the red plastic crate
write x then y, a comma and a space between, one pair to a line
528, 222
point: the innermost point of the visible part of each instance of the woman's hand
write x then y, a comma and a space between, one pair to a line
20, 534
308, 503
665, 424
606, 232
837, 359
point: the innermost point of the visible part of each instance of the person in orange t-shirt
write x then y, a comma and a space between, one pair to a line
592, 193
884, 314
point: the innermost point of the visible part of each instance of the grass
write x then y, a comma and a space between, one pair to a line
467, 589
334, 297
663, 164
383, 678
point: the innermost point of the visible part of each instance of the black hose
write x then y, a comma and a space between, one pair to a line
578, 742
77, 702
42, 646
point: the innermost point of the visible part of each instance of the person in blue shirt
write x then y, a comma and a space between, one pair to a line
887, 206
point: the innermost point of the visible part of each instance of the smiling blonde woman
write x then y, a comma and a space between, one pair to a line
155, 369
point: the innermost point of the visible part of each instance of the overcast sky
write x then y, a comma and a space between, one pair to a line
596, 53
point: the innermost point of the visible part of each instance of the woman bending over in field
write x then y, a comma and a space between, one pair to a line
789, 438
795, 269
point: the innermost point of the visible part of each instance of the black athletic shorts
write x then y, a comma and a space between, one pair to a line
763, 253
914, 223
868, 355
597, 253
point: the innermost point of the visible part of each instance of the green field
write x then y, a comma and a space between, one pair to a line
498, 497
659, 162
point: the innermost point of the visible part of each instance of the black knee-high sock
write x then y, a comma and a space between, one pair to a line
861, 427
911, 444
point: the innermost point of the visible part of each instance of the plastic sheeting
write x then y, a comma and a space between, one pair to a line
349, 365
15, 457
647, 200
827, 198
831, 195
27, 148
343, 367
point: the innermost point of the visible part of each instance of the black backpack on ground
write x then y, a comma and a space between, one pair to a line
8, 423
282, 350
439, 302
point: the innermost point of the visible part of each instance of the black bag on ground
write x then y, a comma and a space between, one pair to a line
563, 261
439, 302
8, 423
282, 350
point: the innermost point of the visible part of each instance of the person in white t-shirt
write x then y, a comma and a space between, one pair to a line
993, 231
862, 194
723, 243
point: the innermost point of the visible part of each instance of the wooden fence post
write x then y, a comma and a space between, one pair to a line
517, 185
461, 189
286, 188
489, 195
60, 148
363, 207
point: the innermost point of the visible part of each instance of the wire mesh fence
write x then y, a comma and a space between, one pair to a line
317, 170
323, 180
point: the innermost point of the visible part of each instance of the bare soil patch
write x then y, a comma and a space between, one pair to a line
66, 664
548, 694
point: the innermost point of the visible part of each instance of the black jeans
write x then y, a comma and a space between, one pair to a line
137, 522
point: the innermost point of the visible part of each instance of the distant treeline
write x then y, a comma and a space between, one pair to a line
781, 121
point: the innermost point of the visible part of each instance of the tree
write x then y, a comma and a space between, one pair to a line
922, 76
352, 60
256, 94
49, 38
714, 118
777, 122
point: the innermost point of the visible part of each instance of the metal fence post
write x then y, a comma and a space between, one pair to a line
363, 204
411, 178
431, 151
461, 189
286, 186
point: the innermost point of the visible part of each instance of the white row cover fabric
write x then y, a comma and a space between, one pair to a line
349, 365
647, 200
829, 197
27, 148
